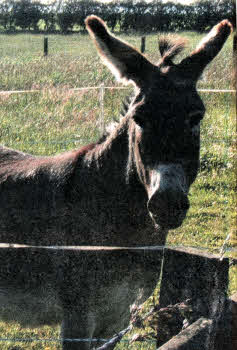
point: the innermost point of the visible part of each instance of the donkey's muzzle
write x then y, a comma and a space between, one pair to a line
168, 201
168, 209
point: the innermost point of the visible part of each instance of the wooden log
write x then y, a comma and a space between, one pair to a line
226, 338
203, 278
192, 338
233, 301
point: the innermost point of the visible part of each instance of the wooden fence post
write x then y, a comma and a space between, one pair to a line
102, 118
143, 44
189, 273
46, 46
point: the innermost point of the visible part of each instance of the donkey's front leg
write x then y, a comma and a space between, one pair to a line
77, 325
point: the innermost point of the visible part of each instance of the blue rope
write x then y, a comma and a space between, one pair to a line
29, 340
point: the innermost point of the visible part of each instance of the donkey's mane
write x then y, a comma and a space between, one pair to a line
170, 46
126, 103
116, 129
112, 126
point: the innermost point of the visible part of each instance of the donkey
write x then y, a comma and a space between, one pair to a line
129, 190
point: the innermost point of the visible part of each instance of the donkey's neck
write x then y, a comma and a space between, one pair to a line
109, 159
118, 203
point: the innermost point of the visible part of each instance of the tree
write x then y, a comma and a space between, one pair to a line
49, 15
27, 14
7, 14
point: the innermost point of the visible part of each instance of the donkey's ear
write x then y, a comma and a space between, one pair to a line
123, 60
208, 48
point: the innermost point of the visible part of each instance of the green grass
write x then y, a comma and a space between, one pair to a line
56, 119
73, 61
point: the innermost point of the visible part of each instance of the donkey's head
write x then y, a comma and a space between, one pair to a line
164, 115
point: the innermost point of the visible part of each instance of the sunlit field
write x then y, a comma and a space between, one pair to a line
56, 119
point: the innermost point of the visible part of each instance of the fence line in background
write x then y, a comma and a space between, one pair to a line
101, 96
84, 340
216, 90
222, 250
107, 342
81, 140
10, 92
101, 101
102, 127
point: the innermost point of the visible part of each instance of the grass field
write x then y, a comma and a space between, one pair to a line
56, 119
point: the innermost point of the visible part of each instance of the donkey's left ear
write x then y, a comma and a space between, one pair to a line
123, 60
208, 48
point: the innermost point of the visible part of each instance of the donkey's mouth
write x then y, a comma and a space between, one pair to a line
167, 218
167, 222
171, 223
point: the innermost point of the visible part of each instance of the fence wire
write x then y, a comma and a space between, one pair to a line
9, 92
150, 343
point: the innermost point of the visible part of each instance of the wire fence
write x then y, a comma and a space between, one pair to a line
101, 124
126, 343
107, 344
225, 248
101, 89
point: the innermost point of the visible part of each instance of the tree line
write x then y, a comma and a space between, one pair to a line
124, 15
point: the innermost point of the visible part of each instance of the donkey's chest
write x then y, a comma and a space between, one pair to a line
108, 225
45, 215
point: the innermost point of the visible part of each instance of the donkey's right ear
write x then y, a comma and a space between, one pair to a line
125, 62
208, 48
